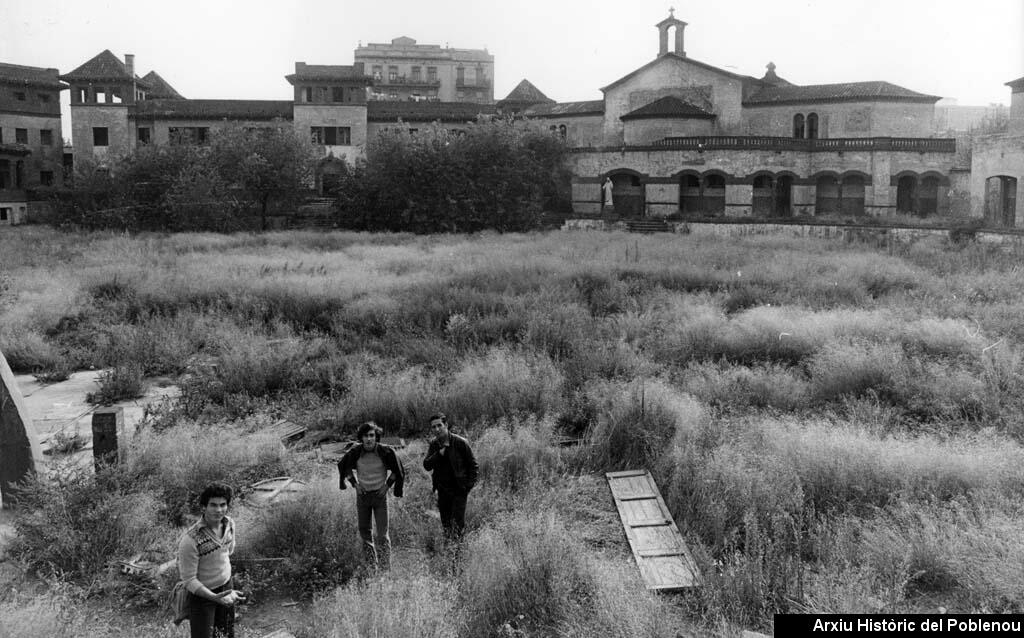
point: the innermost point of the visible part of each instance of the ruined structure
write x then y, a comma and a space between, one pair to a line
20, 454
997, 167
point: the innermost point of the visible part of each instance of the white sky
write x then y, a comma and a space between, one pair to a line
567, 48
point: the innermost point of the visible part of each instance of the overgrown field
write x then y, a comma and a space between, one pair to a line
835, 427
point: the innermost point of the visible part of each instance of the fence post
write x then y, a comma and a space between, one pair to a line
108, 444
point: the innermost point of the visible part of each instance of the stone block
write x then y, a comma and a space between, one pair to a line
20, 454
108, 436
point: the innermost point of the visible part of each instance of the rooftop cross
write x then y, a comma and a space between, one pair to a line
671, 12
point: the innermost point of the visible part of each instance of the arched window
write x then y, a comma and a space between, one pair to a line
798, 125
690, 194
812, 126
826, 196
928, 196
906, 194
562, 131
763, 198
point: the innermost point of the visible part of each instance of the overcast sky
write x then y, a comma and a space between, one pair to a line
568, 48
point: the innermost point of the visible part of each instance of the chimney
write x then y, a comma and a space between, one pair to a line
129, 64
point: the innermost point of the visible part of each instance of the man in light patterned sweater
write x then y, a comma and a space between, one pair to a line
372, 467
205, 566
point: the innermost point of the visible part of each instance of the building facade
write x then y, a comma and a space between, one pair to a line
406, 71
31, 138
678, 135
997, 167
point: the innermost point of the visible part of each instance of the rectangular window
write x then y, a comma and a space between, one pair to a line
392, 73
331, 135
19, 95
99, 136
5, 214
316, 135
21, 136
46, 137
101, 95
337, 94
79, 96
46, 178
143, 135
5, 174
378, 72
1, 136
432, 74
321, 94
307, 94
188, 134
416, 73
44, 98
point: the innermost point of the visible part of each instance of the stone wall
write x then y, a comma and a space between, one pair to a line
43, 157
353, 116
843, 119
996, 155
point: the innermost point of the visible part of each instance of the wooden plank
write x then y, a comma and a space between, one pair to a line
660, 552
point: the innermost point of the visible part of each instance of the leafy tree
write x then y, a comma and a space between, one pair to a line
264, 166
497, 174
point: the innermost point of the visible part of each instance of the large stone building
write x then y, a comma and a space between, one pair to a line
680, 135
997, 167
31, 139
404, 70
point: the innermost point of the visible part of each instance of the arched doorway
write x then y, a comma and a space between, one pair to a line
1001, 200
826, 196
714, 194
906, 194
928, 196
784, 196
763, 201
628, 195
330, 173
851, 195
690, 195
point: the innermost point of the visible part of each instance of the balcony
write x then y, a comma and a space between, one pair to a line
479, 83
763, 143
407, 81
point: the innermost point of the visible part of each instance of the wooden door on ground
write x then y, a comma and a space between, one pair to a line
628, 195
661, 554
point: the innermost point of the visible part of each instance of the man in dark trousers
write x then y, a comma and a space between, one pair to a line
372, 467
454, 471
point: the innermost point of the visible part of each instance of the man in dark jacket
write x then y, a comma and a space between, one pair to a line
372, 467
454, 471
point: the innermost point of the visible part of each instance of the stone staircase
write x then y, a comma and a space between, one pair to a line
647, 226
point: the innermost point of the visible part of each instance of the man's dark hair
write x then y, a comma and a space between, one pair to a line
216, 490
439, 415
367, 428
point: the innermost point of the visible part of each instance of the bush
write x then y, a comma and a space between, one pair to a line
517, 453
76, 525
636, 421
397, 606
316, 532
179, 462
119, 384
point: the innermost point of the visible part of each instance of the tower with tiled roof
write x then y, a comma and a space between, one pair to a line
102, 92
523, 96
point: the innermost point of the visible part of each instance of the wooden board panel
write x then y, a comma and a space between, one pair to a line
658, 547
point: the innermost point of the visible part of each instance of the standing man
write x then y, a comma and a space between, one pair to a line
454, 469
372, 467
204, 564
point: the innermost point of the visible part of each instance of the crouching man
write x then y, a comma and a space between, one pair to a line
205, 566
372, 468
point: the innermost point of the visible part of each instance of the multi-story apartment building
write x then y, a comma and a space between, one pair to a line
31, 140
404, 70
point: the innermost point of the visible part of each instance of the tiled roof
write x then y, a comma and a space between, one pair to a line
105, 66
383, 111
850, 91
31, 75
668, 106
526, 93
1017, 85
676, 56
566, 109
321, 72
214, 109
159, 88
